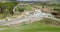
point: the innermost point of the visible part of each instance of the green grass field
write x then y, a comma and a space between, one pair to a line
33, 27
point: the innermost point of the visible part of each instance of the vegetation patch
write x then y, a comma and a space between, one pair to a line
33, 27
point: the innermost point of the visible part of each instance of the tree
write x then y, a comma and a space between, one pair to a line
7, 7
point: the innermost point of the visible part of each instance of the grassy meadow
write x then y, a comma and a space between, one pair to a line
32, 27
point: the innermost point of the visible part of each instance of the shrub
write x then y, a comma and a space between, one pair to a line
50, 21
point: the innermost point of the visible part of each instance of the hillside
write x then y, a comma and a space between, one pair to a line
29, 17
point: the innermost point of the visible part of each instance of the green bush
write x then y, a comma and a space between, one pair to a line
50, 21
7, 6
20, 9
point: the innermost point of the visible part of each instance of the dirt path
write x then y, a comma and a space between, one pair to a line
3, 28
